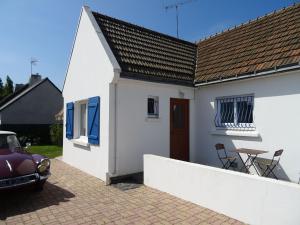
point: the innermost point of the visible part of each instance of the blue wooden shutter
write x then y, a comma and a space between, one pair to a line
94, 120
70, 120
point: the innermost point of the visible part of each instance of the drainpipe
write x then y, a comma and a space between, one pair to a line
115, 128
115, 82
113, 151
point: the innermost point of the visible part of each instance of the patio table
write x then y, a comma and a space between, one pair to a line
252, 155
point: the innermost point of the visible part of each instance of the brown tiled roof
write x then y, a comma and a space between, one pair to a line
145, 54
268, 42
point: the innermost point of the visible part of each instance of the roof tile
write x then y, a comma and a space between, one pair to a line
268, 42
262, 44
140, 51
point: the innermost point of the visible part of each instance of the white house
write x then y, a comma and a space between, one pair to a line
131, 91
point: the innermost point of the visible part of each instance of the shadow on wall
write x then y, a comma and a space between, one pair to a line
208, 154
277, 86
278, 170
269, 92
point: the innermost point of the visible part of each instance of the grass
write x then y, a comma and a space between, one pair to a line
50, 151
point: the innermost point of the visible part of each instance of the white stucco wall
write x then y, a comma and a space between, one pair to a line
91, 70
138, 135
276, 117
248, 198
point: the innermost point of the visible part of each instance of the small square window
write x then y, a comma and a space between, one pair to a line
153, 107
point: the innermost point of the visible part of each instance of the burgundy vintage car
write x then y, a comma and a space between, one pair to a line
18, 167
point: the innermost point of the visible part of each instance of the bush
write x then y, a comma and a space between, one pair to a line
56, 134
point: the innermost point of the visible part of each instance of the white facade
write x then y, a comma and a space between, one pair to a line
276, 118
126, 133
136, 133
90, 72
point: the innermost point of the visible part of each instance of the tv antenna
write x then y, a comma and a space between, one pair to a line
33, 62
176, 6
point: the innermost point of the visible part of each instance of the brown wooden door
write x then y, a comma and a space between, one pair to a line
179, 129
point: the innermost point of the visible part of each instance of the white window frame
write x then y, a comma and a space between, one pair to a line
235, 124
155, 107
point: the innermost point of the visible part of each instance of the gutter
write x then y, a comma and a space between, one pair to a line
112, 168
273, 71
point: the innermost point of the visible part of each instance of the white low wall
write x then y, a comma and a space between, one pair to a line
248, 198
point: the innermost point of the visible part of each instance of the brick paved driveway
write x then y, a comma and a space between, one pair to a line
73, 197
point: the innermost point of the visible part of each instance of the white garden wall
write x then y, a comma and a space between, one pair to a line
248, 198
91, 70
276, 117
137, 134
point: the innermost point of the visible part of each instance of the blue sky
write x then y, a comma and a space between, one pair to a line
45, 29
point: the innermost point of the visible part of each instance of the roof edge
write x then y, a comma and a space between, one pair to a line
255, 74
26, 91
149, 78
111, 56
247, 23
116, 67
145, 29
72, 49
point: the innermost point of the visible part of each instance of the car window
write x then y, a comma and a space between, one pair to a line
9, 142
3, 142
13, 142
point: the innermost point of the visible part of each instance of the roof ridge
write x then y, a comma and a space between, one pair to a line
21, 93
145, 29
259, 18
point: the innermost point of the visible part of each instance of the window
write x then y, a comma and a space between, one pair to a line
153, 107
83, 120
235, 112
8, 141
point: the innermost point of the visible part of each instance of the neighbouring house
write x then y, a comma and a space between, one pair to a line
31, 109
59, 117
130, 91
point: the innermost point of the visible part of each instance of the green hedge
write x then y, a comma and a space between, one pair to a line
56, 134
36, 134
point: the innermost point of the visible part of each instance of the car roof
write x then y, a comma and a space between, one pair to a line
6, 132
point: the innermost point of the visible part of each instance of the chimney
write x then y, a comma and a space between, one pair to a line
18, 87
34, 78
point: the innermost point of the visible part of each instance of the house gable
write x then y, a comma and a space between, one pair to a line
90, 49
92, 72
35, 105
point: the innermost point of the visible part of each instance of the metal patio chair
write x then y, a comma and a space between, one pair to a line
226, 160
267, 166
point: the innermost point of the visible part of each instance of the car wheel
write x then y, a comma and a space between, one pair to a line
39, 186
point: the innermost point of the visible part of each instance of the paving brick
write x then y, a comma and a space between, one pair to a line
71, 197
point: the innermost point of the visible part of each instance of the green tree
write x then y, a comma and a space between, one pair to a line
56, 134
8, 87
1, 88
